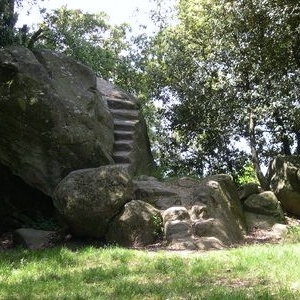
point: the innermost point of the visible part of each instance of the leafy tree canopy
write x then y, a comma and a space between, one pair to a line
228, 71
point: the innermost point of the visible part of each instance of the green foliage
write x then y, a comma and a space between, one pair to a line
293, 234
88, 38
9, 34
158, 225
227, 71
247, 175
8, 20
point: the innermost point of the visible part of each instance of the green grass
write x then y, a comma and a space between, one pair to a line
252, 272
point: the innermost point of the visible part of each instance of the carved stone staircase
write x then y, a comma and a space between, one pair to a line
131, 145
126, 115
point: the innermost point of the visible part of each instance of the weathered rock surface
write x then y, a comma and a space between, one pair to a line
220, 195
178, 192
33, 238
178, 227
90, 199
284, 176
139, 224
248, 189
265, 203
196, 214
52, 117
263, 210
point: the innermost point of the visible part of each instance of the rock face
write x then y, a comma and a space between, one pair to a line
89, 199
52, 117
196, 214
156, 193
284, 176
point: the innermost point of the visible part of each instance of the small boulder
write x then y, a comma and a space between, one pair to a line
89, 199
262, 211
259, 221
139, 224
209, 243
280, 230
176, 213
265, 203
248, 189
33, 238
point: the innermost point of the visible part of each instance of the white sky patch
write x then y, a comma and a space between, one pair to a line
129, 11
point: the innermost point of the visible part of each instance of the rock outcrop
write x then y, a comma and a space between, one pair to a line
196, 214
80, 141
56, 117
284, 177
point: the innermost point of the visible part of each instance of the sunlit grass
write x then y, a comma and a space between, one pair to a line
252, 272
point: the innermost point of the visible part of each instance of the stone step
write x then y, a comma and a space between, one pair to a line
123, 145
125, 125
125, 114
121, 135
114, 103
121, 157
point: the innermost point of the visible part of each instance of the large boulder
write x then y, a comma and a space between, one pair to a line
138, 225
263, 211
265, 203
89, 199
196, 214
53, 119
284, 177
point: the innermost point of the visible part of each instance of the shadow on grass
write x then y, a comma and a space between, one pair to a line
119, 274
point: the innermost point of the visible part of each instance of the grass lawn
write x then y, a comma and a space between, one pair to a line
253, 272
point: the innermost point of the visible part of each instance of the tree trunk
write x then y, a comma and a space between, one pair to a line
297, 133
286, 148
254, 153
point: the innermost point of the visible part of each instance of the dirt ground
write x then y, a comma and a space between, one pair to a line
257, 236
